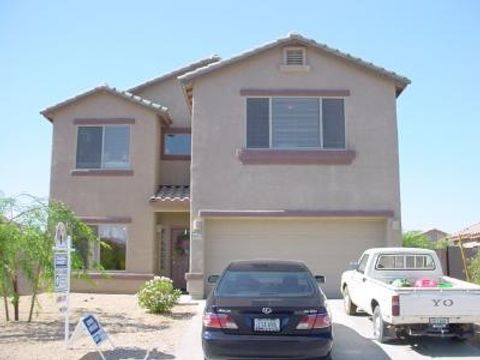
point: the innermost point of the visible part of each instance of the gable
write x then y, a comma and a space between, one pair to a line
399, 81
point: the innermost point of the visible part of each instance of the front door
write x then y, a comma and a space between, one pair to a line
180, 245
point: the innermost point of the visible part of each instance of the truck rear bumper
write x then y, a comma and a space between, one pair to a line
451, 330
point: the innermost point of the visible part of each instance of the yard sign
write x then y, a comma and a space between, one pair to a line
62, 262
90, 326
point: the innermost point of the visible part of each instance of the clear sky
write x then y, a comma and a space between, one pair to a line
52, 50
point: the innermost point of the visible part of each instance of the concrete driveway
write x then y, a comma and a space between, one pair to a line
353, 340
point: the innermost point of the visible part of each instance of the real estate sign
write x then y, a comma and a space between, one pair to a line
62, 265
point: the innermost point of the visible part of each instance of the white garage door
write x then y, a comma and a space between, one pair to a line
327, 246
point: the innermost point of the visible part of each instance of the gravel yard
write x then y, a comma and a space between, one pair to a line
131, 328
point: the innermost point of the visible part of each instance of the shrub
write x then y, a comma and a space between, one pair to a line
158, 295
474, 268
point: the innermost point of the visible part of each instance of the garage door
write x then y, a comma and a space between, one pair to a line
326, 246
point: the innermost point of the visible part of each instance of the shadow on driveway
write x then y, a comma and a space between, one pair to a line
127, 353
438, 347
351, 345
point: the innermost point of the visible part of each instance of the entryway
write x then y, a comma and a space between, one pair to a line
180, 255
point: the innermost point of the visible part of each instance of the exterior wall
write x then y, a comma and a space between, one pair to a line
371, 182
169, 93
111, 196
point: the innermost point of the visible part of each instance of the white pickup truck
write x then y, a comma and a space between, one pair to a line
407, 294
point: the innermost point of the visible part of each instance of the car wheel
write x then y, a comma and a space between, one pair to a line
381, 332
350, 307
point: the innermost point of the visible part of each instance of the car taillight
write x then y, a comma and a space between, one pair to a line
314, 321
219, 321
395, 305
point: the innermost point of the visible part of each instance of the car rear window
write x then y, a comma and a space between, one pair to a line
266, 284
405, 262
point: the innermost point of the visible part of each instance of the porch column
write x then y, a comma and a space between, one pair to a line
196, 276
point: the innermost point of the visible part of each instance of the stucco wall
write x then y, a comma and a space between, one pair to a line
370, 182
219, 181
111, 196
169, 93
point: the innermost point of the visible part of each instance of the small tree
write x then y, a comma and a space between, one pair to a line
417, 240
26, 239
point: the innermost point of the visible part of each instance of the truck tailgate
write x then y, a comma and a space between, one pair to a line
440, 303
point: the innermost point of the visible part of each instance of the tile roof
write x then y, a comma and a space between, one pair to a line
160, 109
182, 70
172, 193
470, 233
401, 81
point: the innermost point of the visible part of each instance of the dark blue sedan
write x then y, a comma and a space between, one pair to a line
266, 309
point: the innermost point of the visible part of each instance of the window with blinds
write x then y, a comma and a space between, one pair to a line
295, 123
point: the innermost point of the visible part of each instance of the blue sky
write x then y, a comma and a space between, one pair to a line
51, 50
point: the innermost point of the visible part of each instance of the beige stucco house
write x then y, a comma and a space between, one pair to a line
288, 150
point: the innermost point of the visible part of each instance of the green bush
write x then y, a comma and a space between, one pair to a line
474, 269
158, 295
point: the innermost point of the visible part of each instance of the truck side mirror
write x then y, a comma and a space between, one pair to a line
212, 279
354, 265
320, 279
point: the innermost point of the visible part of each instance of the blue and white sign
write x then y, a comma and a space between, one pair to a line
90, 326
94, 329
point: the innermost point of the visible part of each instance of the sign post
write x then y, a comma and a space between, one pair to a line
62, 262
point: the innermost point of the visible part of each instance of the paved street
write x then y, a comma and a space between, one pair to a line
353, 341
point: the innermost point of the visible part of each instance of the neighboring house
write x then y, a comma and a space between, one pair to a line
288, 150
470, 236
434, 234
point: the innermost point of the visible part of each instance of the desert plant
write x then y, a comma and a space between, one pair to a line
158, 295
474, 268
27, 227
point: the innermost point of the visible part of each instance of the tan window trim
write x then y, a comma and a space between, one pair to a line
101, 172
295, 157
104, 121
295, 92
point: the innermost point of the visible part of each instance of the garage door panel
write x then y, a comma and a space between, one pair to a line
326, 246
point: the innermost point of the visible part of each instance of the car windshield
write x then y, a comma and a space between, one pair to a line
266, 284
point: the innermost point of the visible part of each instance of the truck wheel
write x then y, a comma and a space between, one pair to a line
350, 307
380, 330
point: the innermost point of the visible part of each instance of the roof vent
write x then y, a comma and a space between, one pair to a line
295, 56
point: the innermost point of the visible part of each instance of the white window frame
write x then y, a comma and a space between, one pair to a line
270, 122
102, 165
94, 253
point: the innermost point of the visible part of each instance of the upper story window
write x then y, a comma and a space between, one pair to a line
294, 56
295, 123
177, 144
103, 147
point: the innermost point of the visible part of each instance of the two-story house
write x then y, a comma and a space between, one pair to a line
288, 150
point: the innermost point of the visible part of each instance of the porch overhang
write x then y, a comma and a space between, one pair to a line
172, 198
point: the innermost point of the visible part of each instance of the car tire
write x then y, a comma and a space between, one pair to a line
381, 332
349, 306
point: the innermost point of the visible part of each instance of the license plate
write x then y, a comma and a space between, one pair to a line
266, 325
438, 321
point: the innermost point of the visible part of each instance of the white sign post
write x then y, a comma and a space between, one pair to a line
62, 261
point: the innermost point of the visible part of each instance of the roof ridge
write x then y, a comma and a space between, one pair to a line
47, 112
186, 68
